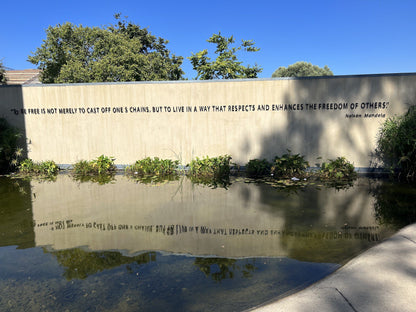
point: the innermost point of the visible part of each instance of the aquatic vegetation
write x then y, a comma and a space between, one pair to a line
39, 169
153, 167
211, 167
101, 165
337, 170
258, 168
289, 165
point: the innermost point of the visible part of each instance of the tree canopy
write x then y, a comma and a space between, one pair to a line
302, 69
119, 52
226, 65
2, 73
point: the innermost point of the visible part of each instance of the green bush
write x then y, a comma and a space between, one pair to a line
155, 166
338, 169
46, 168
101, 165
257, 168
396, 144
211, 167
9, 151
289, 166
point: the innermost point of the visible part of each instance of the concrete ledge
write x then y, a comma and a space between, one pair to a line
381, 279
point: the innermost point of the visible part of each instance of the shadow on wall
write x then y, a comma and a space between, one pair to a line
330, 133
12, 109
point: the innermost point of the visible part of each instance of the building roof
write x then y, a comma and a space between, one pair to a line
21, 77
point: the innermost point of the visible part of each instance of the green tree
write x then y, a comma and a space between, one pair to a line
226, 65
119, 52
302, 69
396, 144
2, 73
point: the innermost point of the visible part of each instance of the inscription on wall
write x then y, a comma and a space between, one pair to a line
364, 109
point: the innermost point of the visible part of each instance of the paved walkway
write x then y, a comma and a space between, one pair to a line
381, 279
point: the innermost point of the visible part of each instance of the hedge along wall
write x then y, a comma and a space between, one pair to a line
327, 117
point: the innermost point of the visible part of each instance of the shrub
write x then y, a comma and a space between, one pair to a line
214, 167
289, 166
258, 168
338, 169
9, 151
396, 144
155, 166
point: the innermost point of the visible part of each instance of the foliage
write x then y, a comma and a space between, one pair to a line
120, 52
155, 166
103, 165
338, 169
396, 144
289, 165
258, 168
42, 169
226, 65
302, 69
2, 74
9, 150
214, 167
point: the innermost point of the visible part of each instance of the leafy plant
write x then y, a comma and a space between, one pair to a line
155, 166
101, 165
257, 168
289, 165
338, 169
9, 150
211, 167
396, 144
41, 169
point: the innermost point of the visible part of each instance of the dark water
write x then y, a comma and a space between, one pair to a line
178, 246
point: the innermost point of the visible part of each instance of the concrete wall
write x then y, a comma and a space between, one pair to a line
327, 117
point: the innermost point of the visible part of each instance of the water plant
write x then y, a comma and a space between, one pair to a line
102, 165
289, 166
258, 168
40, 169
338, 169
396, 144
211, 167
154, 167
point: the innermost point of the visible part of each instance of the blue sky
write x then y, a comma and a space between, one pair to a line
351, 37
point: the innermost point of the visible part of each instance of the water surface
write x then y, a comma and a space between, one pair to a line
179, 246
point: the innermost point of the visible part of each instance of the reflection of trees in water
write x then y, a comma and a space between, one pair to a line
395, 203
16, 218
222, 268
80, 264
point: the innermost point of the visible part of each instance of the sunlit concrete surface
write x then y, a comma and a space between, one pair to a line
381, 279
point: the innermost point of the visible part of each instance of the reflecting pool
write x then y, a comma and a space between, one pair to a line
180, 246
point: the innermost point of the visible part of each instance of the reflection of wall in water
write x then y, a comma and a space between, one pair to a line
181, 217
